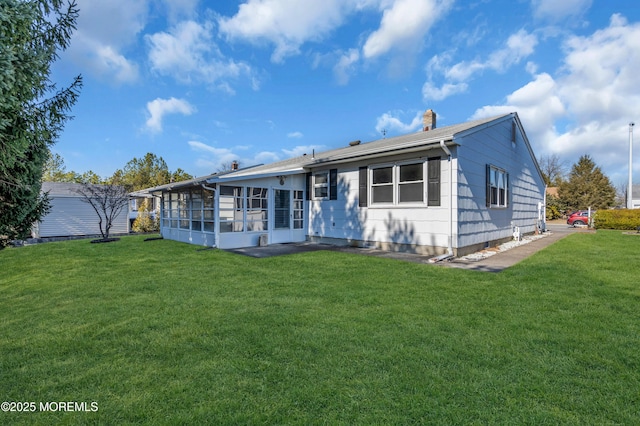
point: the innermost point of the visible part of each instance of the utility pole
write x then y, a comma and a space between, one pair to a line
629, 188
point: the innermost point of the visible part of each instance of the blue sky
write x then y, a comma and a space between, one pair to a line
204, 83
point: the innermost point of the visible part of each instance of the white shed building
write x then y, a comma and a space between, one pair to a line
449, 190
69, 216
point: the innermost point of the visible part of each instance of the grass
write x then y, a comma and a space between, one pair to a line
160, 333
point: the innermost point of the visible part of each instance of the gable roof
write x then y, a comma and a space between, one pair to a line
61, 189
378, 148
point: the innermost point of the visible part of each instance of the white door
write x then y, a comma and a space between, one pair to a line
282, 220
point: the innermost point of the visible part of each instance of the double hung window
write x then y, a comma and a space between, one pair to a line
324, 185
497, 187
321, 185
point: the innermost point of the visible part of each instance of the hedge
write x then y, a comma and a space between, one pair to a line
617, 219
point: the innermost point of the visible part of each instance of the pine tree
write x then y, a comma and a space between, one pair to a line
147, 172
32, 111
587, 187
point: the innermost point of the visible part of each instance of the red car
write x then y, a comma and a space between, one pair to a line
580, 217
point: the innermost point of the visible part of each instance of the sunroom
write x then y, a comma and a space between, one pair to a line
236, 213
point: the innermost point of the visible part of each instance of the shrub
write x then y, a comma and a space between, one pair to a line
625, 219
555, 207
144, 222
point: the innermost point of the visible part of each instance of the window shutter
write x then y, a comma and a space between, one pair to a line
333, 184
508, 194
309, 186
488, 177
433, 185
363, 173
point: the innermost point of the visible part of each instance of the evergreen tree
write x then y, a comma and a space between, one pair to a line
55, 171
146, 172
587, 187
32, 111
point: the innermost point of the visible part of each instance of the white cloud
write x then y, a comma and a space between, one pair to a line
189, 54
296, 135
404, 23
518, 46
432, 93
345, 66
182, 9
390, 122
213, 159
302, 150
555, 10
158, 108
105, 30
586, 108
287, 24
538, 106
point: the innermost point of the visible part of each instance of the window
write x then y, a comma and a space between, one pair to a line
497, 187
231, 209
397, 184
173, 214
411, 183
183, 202
282, 202
382, 185
298, 209
188, 209
207, 211
325, 185
257, 209
321, 185
196, 210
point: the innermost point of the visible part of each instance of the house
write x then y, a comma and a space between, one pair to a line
635, 196
70, 216
450, 190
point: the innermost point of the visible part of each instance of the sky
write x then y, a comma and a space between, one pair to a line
201, 84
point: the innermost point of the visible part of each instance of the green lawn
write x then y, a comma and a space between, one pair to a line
160, 332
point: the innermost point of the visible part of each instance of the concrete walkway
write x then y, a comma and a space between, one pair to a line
495, 263
502, 260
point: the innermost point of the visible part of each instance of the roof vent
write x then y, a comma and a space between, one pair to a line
354, 143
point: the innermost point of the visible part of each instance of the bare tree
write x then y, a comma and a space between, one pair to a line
553, 169
107, 201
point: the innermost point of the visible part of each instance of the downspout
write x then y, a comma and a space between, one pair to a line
449, 253
448, 152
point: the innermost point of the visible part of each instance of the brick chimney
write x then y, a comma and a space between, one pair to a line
234, 165
429, 120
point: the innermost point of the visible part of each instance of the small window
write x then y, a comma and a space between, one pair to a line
497, 187
325, 185
321, 185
